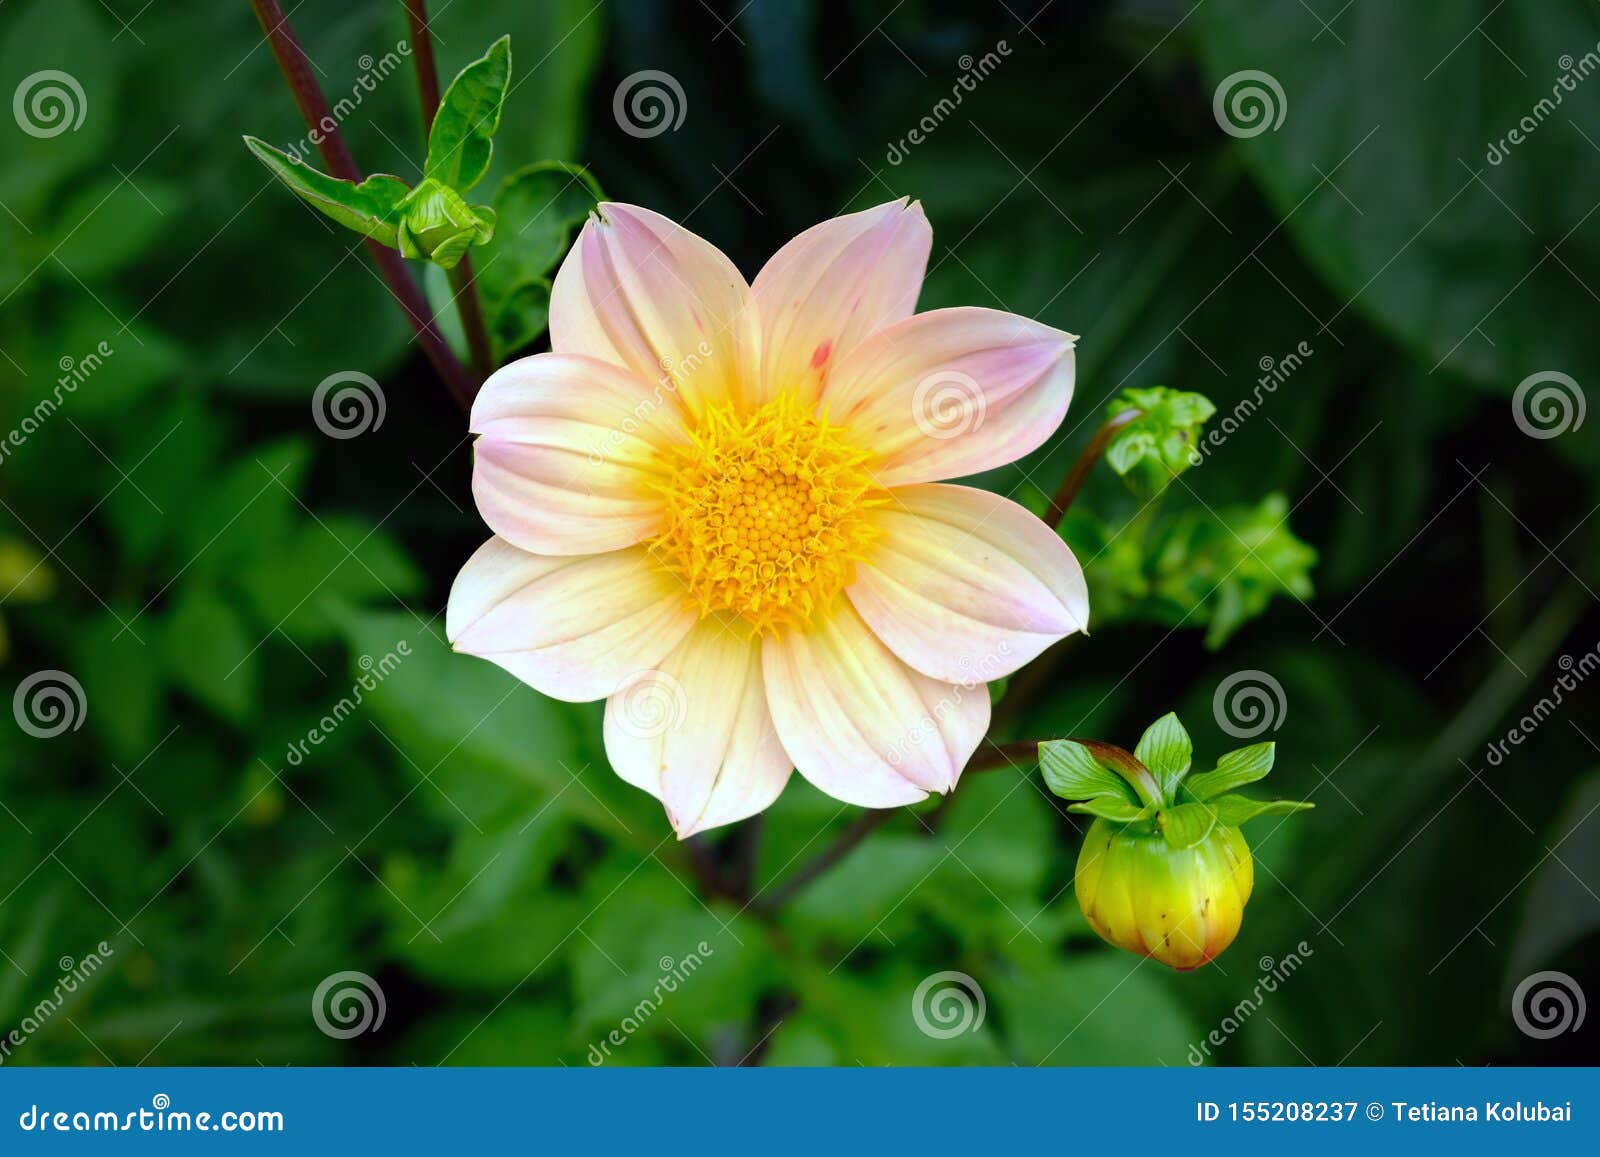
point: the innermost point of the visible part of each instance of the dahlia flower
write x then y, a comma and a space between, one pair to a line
721, 507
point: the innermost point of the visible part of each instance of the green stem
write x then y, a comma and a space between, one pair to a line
336, 156
463, 283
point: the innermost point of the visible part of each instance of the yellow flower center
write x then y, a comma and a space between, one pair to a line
765, 513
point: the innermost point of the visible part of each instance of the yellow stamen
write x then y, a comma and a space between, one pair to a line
765, 513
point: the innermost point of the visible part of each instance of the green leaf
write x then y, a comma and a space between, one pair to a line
110, 223
1235, 769
539, 207
1166, 750
209, 653
1091, 1008
462, 138
1463, 156
371, 208
1187, 824
1072, 772
537, 210
1234, 810
1116, 810
1212, 567
520, 318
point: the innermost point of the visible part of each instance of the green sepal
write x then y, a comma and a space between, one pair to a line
438, 225
1187, 824
1072, 772
1165, 748
1233, 770
1116, 810
372, 208
461, 140
1235, 810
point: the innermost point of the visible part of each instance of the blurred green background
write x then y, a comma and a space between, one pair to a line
216, 574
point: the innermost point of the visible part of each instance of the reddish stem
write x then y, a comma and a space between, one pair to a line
336, 156
1084, 466
463, 283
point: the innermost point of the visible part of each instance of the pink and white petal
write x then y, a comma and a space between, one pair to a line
567, 453
966, 586
860, 724
642, 292
832, 287
952, 392
695, 732
574, 628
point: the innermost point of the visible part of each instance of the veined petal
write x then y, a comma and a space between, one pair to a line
952, 392
573, 628
832, 287
566, 453
966, 586
695, 732
859, 723
640, 291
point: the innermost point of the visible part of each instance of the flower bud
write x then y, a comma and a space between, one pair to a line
1181, 906
439, 225
1164, 870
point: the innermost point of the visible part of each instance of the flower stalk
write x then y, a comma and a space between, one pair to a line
463, 282
314, 110
1084, 466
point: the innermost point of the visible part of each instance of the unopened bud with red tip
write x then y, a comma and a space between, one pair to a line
1165, 871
